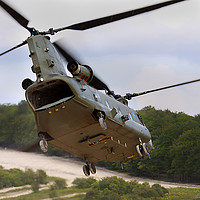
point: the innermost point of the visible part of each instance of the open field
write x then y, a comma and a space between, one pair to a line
68, 169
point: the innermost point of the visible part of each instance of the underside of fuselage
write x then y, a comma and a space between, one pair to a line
69, 123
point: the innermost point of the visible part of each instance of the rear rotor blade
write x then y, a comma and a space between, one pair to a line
112, 18
68, 56
98, 84
18, 17
19, 45
95, 82
129, 96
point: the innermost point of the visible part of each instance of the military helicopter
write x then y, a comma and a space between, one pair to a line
72, 113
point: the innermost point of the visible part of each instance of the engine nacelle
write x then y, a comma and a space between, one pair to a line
81, 72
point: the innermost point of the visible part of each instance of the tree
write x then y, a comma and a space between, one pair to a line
84, 182
113, 188
42, 176
185, 156
60, 183
29, 176
35, 186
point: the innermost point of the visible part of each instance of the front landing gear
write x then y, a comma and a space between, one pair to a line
139, 151
43, 142
43, 145
142, 149
102, 121
89, 167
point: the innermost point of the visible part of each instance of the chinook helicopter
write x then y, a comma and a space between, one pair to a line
72, 113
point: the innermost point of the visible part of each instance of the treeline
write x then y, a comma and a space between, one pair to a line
176, 138
15, 177
17, 125
18, 129
113, 188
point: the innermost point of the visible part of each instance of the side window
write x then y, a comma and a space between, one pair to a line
140, 118
130, 116
119, 111
133, 115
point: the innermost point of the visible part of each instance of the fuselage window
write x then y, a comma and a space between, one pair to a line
133, 115
107, 104
130, 116
119, 111
140, 118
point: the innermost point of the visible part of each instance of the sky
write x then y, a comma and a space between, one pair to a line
144, 52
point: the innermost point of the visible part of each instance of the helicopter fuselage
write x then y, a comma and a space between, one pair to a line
66, 111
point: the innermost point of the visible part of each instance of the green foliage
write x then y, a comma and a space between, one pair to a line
53, 193
17, 127
42, 176
159, 189
113, 188
84, 182
183, 194
60, 183
12, 177
16, 177
30, 176
35, 185
185, 157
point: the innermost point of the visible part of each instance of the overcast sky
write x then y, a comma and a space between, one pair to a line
144, 52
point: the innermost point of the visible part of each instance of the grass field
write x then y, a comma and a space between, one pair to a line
183, 194
45, 194
174, 194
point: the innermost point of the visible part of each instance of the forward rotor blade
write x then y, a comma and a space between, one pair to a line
19, 45
18, 17
112, 18
129, 96
95, 82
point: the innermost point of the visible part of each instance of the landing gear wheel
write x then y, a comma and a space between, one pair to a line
43, 145
102, 123
145, 149
92, 168
139, 151
86, 170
